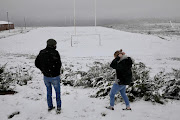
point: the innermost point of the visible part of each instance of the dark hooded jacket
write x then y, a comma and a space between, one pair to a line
123, 69
49, 62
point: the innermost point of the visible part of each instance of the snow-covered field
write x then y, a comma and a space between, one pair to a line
21, 50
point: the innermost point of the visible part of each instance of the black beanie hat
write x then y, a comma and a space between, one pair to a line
51, 42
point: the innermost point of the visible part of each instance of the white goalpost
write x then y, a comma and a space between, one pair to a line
80, 37
95, 35
171, 24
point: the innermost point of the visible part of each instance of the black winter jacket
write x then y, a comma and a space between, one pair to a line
49, 62
123, 70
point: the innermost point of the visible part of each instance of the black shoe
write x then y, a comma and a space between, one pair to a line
49, 109
110, 108
58, 111
126, 109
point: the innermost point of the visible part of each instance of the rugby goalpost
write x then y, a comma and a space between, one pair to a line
86, 35
95, 23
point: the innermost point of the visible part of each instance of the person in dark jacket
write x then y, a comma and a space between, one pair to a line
49, 62
122, 64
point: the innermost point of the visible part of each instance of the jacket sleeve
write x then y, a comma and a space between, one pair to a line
123, 65
129, 62
37, 62
114, 64
59, 63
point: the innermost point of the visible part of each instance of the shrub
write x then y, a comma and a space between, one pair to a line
9, 79
5, 79
22, 76
101, 77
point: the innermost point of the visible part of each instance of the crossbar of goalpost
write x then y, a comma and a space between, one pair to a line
87, 35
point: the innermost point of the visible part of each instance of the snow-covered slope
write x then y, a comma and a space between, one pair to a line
30, 101
133, 44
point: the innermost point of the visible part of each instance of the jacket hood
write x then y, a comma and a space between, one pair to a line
122, 58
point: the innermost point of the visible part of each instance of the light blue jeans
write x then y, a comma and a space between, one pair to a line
118, 88
55, 81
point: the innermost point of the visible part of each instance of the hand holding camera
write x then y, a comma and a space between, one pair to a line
119, 53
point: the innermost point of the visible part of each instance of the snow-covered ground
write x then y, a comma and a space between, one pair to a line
21, 50
12, 32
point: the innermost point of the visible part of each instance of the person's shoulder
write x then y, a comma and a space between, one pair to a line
125, 58
57, 51
129, 60
42, 51
54, 52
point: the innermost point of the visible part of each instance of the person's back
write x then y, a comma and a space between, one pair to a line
49, 62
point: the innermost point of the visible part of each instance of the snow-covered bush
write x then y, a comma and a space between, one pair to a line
143, 87
22, 75
172, 89
8, 78
68, 77
101, 77
176, 73
5, 79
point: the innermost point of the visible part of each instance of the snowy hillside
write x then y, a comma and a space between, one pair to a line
20, 50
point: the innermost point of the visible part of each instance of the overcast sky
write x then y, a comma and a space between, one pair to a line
60, 12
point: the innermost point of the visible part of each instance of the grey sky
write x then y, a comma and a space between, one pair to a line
60, 12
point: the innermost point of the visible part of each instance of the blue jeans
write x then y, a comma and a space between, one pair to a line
122, 90
55, 81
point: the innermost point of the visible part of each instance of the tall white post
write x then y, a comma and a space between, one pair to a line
25, 22
8, 22
74, 20
75, 17
70, 21
171, 24
65, 21
95, 13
